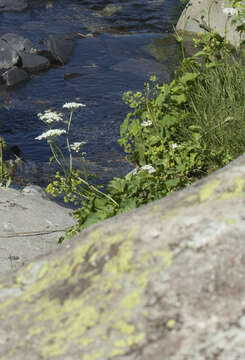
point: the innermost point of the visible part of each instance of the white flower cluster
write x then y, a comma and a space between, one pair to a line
77, 145
149, 168
73, 105
146, 123
174, 146
230, 11
50, 116
50, 134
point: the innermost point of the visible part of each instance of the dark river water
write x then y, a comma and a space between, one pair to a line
133, 41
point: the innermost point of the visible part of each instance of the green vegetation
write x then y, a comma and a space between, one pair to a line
4, 175
174, 134
177, 133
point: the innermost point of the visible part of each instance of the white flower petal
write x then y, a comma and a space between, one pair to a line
73, 105
146, 123
77, 145
50, 134
148, 168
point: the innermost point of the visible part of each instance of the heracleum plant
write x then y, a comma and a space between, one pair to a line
69, 182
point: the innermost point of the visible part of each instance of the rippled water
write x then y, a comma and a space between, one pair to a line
131, 41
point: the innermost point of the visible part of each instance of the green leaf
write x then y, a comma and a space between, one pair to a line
187, 77
169, 120
172, 182
179, 99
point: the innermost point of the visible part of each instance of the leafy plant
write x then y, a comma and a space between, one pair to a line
174, 134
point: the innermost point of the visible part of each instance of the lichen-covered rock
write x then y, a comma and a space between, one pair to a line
165, 281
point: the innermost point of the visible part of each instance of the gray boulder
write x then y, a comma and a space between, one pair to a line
34, 63
14, 76
30, 225
8, 55
13, 5
200, 14
18, 42
165, 281
59, 48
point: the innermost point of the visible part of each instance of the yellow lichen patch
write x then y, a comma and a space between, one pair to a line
54, 345
230, 222
124, 327
237, 192
170, 324
86, 341
4, 306
85, 317
121, 346
142, 279
37, 330
191, 199
208, 189
94, 356
131, 300
239, 184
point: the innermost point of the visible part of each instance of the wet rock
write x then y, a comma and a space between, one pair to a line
59, 48
18, 42
8, 55
14, 76
34, 63
13, 5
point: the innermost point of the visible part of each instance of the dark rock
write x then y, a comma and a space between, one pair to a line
8, 56
13, 5
14, 76
34, 63
60, 48
18, 42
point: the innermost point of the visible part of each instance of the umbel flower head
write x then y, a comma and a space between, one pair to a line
77, 145
50, 116
73, 106
52, 133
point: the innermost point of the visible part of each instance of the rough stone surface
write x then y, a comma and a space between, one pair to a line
60, 48
13, 5
208, 12
34, 63
8, 56
18, 42
28, 219
14, 76
165, 281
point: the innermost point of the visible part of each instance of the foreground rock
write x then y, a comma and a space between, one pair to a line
163, 282
29, 226
199, 15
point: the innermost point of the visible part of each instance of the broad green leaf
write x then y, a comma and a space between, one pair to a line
188, 77
172, 182
180, 99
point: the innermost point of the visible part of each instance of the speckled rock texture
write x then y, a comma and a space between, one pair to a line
163, 282
30, 225
198, 14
